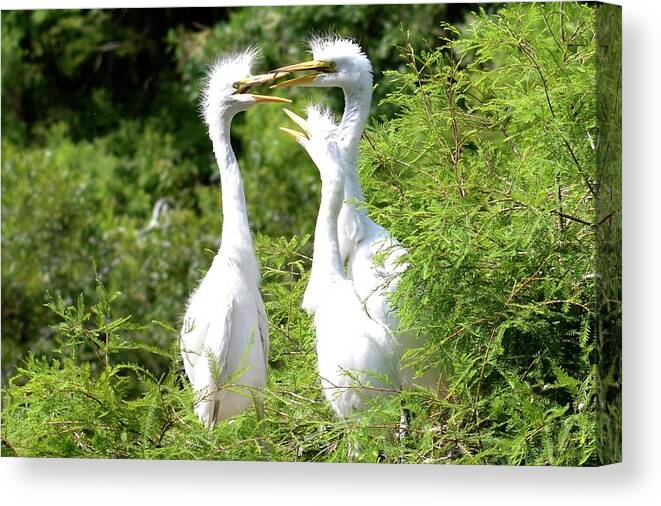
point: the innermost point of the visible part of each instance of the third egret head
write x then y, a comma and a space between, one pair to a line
319, 140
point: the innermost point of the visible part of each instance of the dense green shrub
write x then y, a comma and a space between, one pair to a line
65, 204
488, 175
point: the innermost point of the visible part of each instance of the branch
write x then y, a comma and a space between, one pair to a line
573, 218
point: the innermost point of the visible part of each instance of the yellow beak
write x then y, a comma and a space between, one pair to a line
319, 65
245, 84
296, 119
296, 135
268, 98
300, 122
296, 81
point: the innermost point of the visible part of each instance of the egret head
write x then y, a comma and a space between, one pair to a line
228, 84
318, 136
336, 62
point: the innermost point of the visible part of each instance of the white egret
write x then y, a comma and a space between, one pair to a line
224, 339
373, 256
356, 354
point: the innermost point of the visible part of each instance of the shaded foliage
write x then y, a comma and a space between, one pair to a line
608, 217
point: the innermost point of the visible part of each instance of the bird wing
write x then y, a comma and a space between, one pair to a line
217, 340
206, 335
263, 329
191, 343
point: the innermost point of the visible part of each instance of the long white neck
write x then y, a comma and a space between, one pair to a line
327, 263
357, 100
236, 230
354, 223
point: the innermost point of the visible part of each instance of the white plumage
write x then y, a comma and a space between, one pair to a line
357, 356
224, 339
372, 255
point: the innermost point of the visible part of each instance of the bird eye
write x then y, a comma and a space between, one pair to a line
236, 85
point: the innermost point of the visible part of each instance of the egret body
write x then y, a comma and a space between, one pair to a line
224, 339
357, 356
339, 62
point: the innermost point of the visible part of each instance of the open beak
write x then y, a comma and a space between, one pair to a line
246, 84
293, 133
300, 122
320, 66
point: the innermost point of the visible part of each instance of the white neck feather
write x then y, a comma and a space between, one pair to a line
354, 222
357, 100
235, 230
327, 263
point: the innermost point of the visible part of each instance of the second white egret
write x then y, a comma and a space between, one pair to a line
373, 255
357, 356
